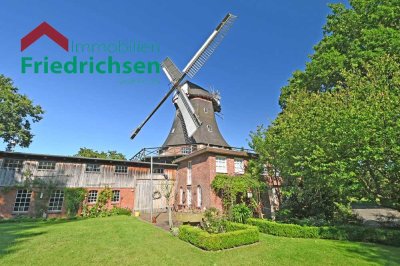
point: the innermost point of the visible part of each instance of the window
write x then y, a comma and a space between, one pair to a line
121, 169
205, 110
115, 196
189, 196
158, 170
189, 174
221, 164
22, 200
94, 168
92, 196
172, 131
186, 150
199, 197
239, 166
45, 165
56, 201
209, 128
12, 163
181, 196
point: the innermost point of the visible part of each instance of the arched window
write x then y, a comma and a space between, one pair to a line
199, 197
181, 195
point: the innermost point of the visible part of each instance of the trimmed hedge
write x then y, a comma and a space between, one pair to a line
236, 235
351, 233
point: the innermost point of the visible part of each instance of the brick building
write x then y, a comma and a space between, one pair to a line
123, 177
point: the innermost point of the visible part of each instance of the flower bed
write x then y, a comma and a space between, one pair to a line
235, 235
345, 232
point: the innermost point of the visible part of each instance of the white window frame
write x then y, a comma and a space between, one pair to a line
92, 196
181, 194
189, 174
56, 201
189, 196
121, 169
93, 168
12, 164
46, 165
116, 196
239, 165
221, 164
22, 201
186, 150
209, 128
199, 197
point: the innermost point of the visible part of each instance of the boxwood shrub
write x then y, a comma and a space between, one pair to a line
351, 233
236, 235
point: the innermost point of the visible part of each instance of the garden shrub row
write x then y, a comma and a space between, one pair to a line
236, 235
349, 232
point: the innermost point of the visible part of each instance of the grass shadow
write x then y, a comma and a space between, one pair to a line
380, 254
15, 232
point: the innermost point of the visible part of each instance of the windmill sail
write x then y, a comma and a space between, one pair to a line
192, 123
216, 37
171, 71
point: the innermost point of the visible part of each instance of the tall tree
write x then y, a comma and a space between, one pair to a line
352, 37
337, 137
17, 113
90, 153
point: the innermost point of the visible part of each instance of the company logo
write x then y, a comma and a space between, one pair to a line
44, 29
83, 61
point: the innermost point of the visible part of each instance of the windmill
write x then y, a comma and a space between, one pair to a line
191, 121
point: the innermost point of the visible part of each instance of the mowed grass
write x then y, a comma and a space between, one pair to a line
123, 240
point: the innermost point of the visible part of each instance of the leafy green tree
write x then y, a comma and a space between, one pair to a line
17, 113
352, 37
337, 138
90, 153
334, 146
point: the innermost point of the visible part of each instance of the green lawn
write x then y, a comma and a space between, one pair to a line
123, 240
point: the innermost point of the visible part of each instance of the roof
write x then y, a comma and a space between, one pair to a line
77, 159
217, 151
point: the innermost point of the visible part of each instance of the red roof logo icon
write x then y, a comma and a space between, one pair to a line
44, 29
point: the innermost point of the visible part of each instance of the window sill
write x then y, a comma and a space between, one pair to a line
115, 202
53, 212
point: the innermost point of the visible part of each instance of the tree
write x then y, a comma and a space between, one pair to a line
352, 38
334, 146
90, 153
167, 190
17, 113
337, 138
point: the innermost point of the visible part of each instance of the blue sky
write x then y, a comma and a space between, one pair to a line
269, 40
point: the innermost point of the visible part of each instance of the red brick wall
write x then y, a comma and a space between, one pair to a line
7, 200
203, 173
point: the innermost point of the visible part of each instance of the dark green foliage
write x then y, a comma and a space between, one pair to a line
73, 200
236, 235
17, 114
240, 213
351, 233
89, 153
232, 188
352, 37
337, 137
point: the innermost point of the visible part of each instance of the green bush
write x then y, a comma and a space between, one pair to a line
236, 235
73, 200
120, 211
240, 213
349, 232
